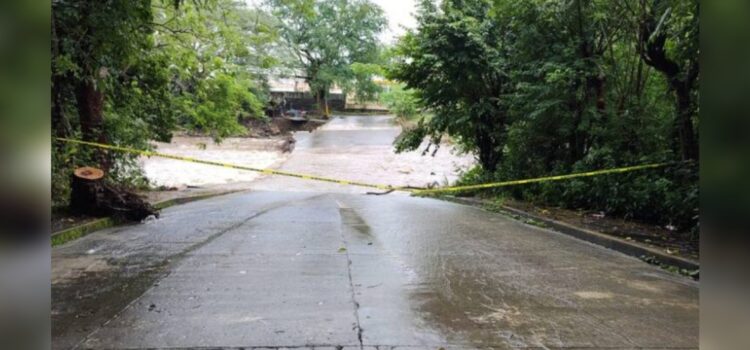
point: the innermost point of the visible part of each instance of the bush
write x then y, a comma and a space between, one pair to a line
662, 196
401, 102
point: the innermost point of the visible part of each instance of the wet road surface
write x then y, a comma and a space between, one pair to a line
300, 265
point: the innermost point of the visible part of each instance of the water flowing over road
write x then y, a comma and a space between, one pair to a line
301, 264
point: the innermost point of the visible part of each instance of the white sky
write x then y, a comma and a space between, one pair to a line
400, 14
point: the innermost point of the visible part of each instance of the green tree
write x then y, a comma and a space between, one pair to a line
364, 86
96, 45
457, 65
328, 38
128, 72
668, 42
217, 55
401, 102
541, 87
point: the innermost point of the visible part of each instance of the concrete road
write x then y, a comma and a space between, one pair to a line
298, 265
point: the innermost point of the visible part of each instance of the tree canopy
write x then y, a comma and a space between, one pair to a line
457, 66
332, 41
538, 87
531, 87
128, 72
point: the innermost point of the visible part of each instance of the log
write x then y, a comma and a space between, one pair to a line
92, 195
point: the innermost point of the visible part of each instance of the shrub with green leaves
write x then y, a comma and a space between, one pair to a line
538, 87
131, 72
401, 102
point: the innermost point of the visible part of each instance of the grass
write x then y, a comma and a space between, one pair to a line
79, 231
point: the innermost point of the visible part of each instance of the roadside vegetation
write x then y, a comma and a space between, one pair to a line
333, 43
531, 87
538, 87
403, 103
131, 72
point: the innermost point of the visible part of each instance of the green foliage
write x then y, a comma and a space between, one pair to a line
216, 105
457, 66
538, 87
332, 41
411, 138
157, 66
365, 88
215, 55
401, 102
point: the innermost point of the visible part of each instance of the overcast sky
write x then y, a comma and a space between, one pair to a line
398, 12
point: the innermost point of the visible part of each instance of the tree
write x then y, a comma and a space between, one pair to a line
327, 38
128, 72
457, 65
401, 102
363, 84
216, 57
560, 104
541, 87
669, 42
94, 43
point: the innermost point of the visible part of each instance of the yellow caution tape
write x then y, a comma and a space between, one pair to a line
540, 179
228, 165
416, 191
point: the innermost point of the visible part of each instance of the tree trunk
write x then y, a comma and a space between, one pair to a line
681, 78
684, 123
487, 155
487, 144
593, 87
599, 93
60, 122
575, 137
87, 189
90, 105
322, 102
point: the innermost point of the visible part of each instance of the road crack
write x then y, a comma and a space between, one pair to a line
358, 325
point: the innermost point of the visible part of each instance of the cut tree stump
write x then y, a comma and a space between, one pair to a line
92, 195
86, 191
89, 173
